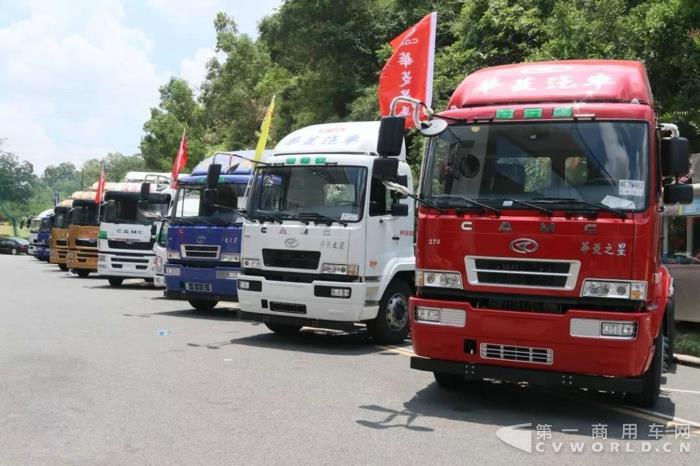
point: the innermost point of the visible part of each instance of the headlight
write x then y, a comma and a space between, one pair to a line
174, 271
440, 316
100, 258
425, 278
227, 257
614, 289
158, 263
173, 255
226, 275
340, 269
251, 263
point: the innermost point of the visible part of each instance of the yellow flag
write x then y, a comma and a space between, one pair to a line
264, 131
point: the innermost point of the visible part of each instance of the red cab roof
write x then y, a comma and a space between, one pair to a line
555, 81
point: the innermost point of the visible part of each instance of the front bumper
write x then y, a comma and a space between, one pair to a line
82, 259
303, 304
485, 328
42, 252
208, 281
126, 266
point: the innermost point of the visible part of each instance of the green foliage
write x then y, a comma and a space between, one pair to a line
16, 179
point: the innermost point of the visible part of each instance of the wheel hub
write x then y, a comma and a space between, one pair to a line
397, 312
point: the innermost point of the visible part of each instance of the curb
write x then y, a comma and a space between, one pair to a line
687, 360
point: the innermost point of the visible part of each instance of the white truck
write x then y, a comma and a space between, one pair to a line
328, 245
131, 220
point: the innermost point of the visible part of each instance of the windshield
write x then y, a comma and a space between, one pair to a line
335, 192
35, 225
60, 220
85, 215
129, 211
595, 162
188, 205
46, 223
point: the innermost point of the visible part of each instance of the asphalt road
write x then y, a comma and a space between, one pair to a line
95, 375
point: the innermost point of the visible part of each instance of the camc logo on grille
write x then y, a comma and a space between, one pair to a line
291, 243
524, 245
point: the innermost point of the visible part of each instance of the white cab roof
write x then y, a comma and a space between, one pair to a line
333, 138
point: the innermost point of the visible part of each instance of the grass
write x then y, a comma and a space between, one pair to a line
687, 339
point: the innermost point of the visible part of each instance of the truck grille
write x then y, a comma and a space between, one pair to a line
285, 258
134, 245
86, 243
61, 243
200, 251
291, 308
527, 273
516, 353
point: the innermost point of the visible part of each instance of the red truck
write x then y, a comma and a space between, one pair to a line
538, 248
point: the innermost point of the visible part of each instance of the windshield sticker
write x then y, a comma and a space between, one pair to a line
349, 217
617, 202
631, 188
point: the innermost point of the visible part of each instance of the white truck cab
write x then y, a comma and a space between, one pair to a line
328, 245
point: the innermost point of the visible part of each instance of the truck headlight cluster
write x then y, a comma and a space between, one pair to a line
173, 271
340, 269
441, 316
101, 259
429, 278
249, 263
173, 255
226, 274
599, 328
617, 289
158, 263
228, 257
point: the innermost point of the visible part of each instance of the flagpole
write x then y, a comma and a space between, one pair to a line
99, 204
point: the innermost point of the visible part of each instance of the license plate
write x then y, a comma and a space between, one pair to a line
199, 287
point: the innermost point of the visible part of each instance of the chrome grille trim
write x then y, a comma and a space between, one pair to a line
473, 272
516, 353
200, 251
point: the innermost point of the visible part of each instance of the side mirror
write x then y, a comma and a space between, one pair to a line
391, 133
145, 191
384, 168
433, 127
675, 156
213, 174
399, 210
208, 197
678, 194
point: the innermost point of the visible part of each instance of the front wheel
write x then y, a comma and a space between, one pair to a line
284, 330
115, 282
14, 251
83, 273
202, 305
651, 380
63, 267
446, 380
391, 324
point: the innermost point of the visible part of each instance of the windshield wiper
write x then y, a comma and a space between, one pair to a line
523, 203
571, 200
231, 209
472, 202
269, 217
318, 216
288, 216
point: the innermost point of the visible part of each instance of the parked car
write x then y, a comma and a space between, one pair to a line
12, 245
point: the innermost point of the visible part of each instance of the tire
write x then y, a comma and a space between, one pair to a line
669, 334
446, 380
651, 380
116, 282
202, 304
14, 251
83, 273
284, 330
63, 267
392, 323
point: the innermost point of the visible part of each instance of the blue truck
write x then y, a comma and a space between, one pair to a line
203, 232
40, 235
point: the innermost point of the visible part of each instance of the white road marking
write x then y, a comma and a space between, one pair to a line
666, 389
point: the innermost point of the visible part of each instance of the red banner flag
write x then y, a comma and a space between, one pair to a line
409, 71
180, 158
100, 193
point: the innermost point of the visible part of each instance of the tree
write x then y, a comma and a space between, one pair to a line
178, 111
16, 179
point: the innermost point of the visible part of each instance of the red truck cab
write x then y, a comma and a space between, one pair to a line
539, 233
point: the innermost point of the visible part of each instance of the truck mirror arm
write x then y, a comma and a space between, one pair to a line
404, 191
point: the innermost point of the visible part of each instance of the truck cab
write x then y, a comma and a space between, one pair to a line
132, 217
204, 230
59, 234
40, 235
327, 244
539, 232
83, 228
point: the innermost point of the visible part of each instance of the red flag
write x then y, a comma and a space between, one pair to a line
100, 193
180, 158
409, 71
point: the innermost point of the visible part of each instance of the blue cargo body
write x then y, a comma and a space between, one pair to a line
203, 258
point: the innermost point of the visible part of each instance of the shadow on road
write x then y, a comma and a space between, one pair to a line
214, 314
505, 404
